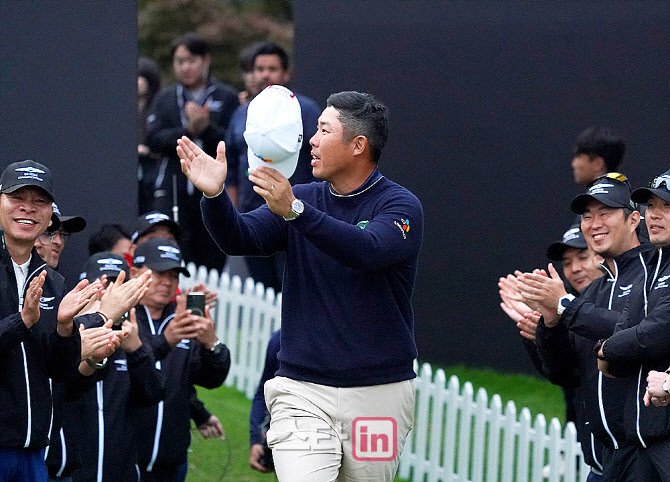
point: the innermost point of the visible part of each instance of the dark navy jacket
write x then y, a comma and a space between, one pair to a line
30, 356
166, 427
640, 343
566, 351
103, 422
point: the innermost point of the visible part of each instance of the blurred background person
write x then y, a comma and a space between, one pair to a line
200, 107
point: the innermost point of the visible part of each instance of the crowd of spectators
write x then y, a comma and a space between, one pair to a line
601, 331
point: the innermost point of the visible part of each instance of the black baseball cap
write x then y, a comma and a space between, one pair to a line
159, 254
70, 224
154, 218
660, 187
27, 173
612, 189
572, 238
104, 263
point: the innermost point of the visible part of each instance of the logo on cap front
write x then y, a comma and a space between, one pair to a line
156, 217
30, 173
571, 234
109, 264
170, 252
600, 188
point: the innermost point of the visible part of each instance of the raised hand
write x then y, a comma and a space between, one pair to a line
75, 301
206, 330
30, 313
130, 338
119, 297
205, 172
210, 296
274, 188
94, 339
183, 325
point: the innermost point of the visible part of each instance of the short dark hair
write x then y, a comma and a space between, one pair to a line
362, 114
266, 48
193, 42
106, 237
602, 142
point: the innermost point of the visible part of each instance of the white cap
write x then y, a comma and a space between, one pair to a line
274, 130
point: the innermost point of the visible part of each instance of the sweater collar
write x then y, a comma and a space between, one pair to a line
373, 179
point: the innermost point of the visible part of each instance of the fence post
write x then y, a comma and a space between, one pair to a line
464, 453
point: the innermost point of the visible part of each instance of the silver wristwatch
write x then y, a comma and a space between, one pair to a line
297, 207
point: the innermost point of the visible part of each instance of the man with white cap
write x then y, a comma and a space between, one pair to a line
347, 340
269, 65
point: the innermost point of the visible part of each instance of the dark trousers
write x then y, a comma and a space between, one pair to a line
20, 465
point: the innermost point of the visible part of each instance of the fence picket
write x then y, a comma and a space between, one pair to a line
479, 442
523, 460
495, 421
464, 452
509, 436
436, 425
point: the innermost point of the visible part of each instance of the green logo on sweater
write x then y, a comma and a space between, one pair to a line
362, 224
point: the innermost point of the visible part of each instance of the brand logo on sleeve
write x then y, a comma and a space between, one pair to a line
121, 365
362, 224
404, 226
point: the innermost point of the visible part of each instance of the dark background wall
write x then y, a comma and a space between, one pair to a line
68, 96
486, 99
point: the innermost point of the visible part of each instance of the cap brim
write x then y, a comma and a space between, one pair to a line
578, 204
642, 194
55, 223
19, 186
73, 224
286, 167
162, 266
556, 251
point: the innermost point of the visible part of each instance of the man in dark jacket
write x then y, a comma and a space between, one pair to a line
199, 107
641, 341
571, 326
270, 66
38, 339
188, 352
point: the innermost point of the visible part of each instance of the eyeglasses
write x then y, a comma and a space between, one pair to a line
46, 238
659, 181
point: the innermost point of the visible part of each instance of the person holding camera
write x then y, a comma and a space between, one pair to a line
188, 352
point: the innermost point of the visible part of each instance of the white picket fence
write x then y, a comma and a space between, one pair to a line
457, 436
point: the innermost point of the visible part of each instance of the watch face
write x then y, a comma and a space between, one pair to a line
565, 302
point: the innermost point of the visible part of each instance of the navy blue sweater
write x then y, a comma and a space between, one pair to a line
351, 262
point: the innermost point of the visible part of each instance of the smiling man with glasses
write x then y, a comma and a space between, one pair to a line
50, 244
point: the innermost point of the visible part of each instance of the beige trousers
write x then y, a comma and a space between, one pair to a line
323, 434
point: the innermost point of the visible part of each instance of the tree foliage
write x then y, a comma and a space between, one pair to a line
228, 26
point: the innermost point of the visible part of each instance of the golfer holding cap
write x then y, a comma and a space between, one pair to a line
352, 244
